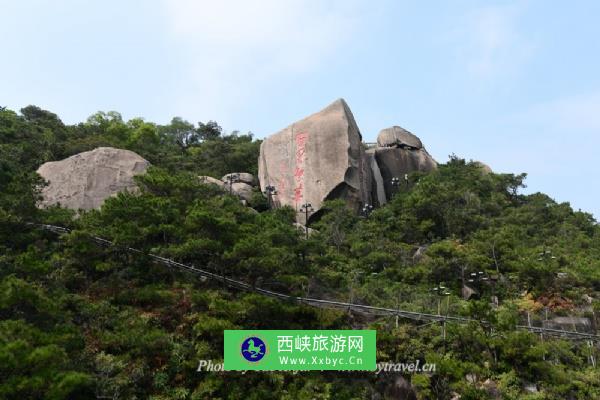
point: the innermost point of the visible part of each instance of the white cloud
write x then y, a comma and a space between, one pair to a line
234, 48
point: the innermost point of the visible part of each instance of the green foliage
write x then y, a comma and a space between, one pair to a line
81, 321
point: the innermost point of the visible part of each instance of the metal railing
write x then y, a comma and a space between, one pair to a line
321, 303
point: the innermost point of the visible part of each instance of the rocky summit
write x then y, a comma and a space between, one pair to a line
85, 180
322, 157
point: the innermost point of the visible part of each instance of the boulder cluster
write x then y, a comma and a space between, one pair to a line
322, 157
85, 180
238, 183
318, 158
398, 153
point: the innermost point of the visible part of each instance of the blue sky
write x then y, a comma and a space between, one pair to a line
515, 84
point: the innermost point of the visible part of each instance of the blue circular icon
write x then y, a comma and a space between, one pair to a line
253, 349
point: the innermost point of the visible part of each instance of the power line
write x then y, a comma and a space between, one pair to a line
320, 303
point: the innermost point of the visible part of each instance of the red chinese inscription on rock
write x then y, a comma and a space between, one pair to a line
300, 139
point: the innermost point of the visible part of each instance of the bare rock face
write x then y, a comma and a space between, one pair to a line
377, 187
468, 292
239, 187
399, 152
321, 157
243, 190
85, 180
395, 162
398, 137
315, 159
239, 177
209, 179
419, 254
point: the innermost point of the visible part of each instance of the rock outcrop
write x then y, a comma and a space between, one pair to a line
239, 177
315, 159
210, 180
241, 184
85, 180
398, 153
398, 137
395, 162
377, 192
243, 190
322, 157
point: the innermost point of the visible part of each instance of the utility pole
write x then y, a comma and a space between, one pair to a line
354, 280
366, 210
232, 178
306, 209
395, 183
398, 307
442, 291
270, 191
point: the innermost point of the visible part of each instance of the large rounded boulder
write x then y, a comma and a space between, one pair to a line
85, 180
397, 154
396, 136
396, 162
318, 158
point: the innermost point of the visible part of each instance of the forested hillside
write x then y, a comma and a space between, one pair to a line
80, 321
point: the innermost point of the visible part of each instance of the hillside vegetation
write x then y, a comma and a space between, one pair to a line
79, 321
